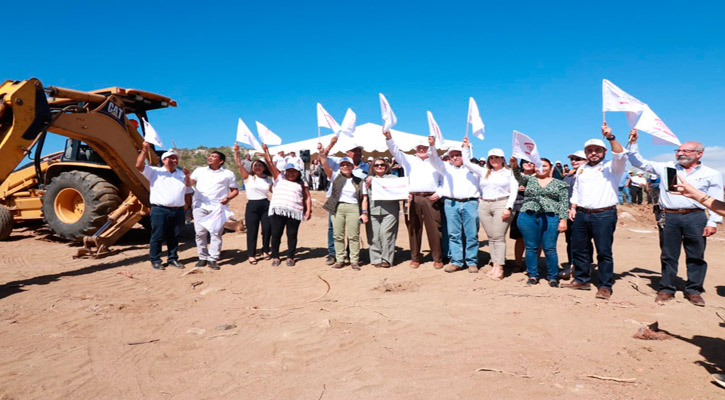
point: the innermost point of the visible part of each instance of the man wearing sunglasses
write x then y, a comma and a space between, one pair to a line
594, 212
683, 221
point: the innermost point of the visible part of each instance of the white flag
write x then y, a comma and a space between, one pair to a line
435, 130
389, 119
616, 99
652, 124
245, 136
151, 135
391, 188
474, 118
268, 137
525, 148
348, 124
325, 120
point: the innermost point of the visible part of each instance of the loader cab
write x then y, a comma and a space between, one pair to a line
75, 150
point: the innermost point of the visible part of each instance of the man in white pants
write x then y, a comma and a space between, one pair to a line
215, 186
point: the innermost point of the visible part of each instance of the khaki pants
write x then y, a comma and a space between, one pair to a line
346, 218
489, 213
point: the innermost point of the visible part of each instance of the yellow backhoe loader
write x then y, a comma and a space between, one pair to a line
91, 191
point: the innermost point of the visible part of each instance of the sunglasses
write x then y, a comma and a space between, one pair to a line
577, 159
379, 165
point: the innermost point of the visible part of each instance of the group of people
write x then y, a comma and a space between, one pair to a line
449, 197
634, 187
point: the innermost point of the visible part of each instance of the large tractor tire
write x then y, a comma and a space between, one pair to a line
77, 203
6, 222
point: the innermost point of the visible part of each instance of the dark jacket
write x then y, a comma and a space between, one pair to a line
337, 185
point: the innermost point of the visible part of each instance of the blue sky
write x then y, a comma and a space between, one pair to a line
532, 66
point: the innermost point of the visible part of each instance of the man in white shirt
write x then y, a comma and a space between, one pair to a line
279, 161
215, 187
424, 209
460, 193
636, 186
594, 212
293, 159
360, 170
167, 186
683, 221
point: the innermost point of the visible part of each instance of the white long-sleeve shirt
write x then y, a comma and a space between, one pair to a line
597, 186
703, 178
458, 182
422, 177
499, 183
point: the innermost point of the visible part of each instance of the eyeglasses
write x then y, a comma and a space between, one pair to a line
685, 151
379, 165
577, 159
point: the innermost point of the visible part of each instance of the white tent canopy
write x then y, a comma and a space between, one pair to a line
369, 136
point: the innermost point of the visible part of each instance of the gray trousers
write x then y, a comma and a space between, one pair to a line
382, 231
215, 247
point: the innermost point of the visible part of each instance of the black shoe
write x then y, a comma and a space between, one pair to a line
175, 263
213, 265
200, 264
554, 283
533, 281
158, 265
565, 274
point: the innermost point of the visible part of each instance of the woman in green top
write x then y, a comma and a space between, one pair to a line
542, 216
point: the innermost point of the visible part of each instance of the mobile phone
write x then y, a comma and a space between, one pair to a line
671, 176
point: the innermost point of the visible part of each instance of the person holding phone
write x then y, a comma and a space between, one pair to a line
683, 221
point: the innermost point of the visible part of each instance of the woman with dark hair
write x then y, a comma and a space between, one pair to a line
542, 216
382, 228
527, 168
290, 204
344, 205
257, 186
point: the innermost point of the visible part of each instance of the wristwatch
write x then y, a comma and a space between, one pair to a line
611, 137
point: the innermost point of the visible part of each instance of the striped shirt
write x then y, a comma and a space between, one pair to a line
287, 199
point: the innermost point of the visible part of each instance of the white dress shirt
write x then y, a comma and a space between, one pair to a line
422, 177
703, 178
499, 183
597, 186
280, 162
638, 181
166, 188
458, 182
212, 186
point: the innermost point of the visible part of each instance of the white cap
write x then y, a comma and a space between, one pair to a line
370, 158
168, 154
653, 176
454, 147
594, 142
557, 162
345, 159
496, 152
292, 166
578, 153
640, 173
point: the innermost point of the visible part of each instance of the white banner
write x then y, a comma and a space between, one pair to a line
245, 136
389, 119
268, 137
525, 148
325, 120
215, 220
435, 130
649, 122
392, 188
616, 99
348, 124
151, 135
474, 118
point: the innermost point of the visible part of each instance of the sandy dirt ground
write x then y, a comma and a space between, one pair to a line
115, 328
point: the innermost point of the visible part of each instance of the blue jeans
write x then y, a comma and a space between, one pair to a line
165, 225
462, 223
330, 237
624, 190
540, 230
600, 228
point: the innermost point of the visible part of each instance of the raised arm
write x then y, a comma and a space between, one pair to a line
323, 158
395, 151
435, 161
242, 171
636, 159
479, 171
270, 164
141, 159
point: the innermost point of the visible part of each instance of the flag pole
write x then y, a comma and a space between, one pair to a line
604, 117
467, 129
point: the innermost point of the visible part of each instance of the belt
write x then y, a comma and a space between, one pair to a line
499, 199
424, 194
168, 208
681, 210
462, 200
595, 210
